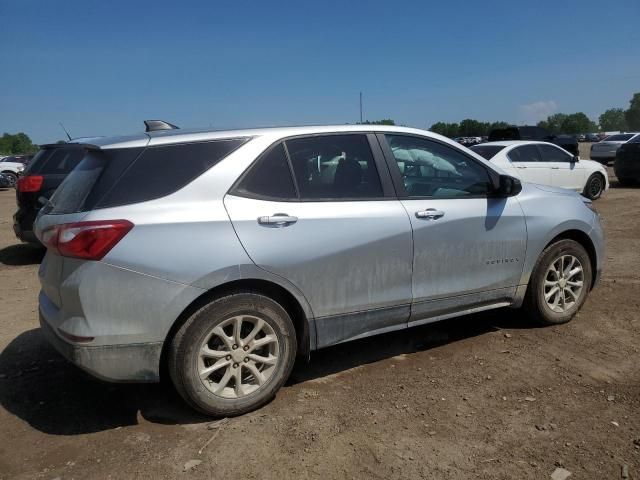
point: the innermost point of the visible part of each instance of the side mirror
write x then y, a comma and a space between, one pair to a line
505, 186
576, 159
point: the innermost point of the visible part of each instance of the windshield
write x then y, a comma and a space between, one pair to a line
487, 151
622, 137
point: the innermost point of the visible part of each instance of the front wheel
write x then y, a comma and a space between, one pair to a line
559, 283
594, 187
233, 355
11, 177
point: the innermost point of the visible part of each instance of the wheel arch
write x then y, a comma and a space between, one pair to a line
583, 239
304, 325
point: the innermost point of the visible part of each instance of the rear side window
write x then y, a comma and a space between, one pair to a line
333, 167
525, 153
162, 170
269, 177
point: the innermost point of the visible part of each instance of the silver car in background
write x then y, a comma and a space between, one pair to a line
605, 150
224, 255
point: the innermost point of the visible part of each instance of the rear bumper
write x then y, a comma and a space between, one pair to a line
23, 226
627, 170
604, 155
137, 362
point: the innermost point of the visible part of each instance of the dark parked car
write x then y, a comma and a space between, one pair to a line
627, 163
568, 142
592, 137
39, 180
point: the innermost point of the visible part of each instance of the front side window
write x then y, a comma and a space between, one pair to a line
430, 169
553, 154
525, 153
334, 167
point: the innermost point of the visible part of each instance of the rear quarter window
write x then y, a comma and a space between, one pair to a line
114, 177
162, 170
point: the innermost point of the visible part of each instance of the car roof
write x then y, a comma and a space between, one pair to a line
164, 137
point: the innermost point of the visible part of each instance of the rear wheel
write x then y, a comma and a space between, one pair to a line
559, 283
233, 355
594, 186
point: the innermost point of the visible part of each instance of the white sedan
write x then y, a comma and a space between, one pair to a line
547, 164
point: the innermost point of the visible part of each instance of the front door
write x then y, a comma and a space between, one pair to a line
334, 229
565, 172
468, 247
529, 165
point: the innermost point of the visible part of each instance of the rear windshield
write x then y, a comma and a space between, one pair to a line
52, 161
113, 177
621, 137
487, 151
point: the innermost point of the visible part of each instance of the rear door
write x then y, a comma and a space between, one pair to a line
565, 172
334, 229
468, 247
528, 164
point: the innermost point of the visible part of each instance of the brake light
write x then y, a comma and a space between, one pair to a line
30, 183
86, 240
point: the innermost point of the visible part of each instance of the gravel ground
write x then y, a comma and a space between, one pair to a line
483, 396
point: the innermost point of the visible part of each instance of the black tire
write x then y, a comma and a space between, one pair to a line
183, 358
534, 302
594, 187
12, 177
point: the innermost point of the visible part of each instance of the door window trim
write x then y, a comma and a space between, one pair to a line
396, 176
386, 182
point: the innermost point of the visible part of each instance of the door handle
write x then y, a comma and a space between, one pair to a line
555, 168
521, 166
430, 214
277, 220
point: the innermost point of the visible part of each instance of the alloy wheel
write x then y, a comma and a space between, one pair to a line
238, 356
563, 283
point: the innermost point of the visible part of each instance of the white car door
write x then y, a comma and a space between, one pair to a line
565, 172
527, 162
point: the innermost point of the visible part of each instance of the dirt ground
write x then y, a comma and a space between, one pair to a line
484, 396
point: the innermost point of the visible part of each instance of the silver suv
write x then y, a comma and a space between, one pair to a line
223, 255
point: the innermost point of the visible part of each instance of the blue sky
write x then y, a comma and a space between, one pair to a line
101, 67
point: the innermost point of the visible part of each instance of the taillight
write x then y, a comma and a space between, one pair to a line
86, 240
30, 183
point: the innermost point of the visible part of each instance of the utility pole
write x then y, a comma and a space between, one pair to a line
360, 107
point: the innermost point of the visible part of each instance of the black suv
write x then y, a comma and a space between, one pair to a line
39, 180
568, 142
627, 163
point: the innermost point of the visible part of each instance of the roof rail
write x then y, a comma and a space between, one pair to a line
155, 125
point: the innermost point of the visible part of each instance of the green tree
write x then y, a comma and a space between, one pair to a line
384, 121
447, 129
472, 128
576, 123
612, 120
633, 114
16, 144
553, 123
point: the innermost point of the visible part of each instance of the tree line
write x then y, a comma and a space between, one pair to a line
613, 119
16, 144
